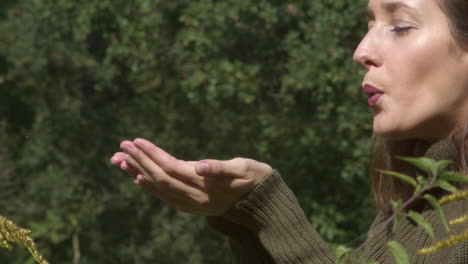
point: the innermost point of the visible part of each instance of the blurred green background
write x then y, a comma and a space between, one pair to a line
269, 80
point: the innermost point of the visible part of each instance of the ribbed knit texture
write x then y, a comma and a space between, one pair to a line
268, 226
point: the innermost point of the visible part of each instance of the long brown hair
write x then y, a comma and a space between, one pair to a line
386, 188
456, 11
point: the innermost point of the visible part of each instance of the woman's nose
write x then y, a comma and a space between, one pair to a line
367, 54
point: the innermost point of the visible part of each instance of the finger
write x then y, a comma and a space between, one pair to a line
177, 199
230, 168
235, 168
147, 186
141, 181
156, 176
129, 164
167, 162
124, 165
177, 168
118, 158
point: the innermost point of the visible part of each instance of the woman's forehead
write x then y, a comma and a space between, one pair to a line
420, 8
388, 7
392, 5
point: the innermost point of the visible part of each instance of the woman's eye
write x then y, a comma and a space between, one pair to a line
401, 30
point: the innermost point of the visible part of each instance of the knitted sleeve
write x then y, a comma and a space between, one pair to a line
268, 226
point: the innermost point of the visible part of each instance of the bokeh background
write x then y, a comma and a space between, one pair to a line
264, 79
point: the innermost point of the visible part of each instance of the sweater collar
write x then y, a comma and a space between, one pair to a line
442, 150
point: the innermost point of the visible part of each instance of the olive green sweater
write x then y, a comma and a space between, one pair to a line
268, 226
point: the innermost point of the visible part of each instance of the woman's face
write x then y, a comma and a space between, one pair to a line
417, 77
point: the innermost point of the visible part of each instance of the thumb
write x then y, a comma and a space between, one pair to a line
235, 168
209, 167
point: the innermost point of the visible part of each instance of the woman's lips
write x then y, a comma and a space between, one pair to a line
374, 99
373, 93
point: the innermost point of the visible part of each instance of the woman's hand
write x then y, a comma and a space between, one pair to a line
206, 187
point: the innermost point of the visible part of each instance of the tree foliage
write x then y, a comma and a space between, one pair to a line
269, 80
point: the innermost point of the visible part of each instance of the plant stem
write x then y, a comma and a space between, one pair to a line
384, 225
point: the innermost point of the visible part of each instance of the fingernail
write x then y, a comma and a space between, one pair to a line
126, 147
139, 142
203, 167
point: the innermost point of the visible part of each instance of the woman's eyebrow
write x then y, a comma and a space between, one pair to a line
390, 7
393, 6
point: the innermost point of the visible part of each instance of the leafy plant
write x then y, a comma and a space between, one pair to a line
11, 233
436, 177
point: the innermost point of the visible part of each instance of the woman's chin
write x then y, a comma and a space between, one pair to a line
389, 133
384, 134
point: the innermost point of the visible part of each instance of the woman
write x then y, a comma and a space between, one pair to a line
416, 57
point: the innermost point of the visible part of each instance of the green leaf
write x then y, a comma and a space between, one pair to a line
418, 218
341, 253
421, 179
454, 176
396, 222
425, 164
398, 252
446, 186
396, 205
401, 176
433, 201
442, 165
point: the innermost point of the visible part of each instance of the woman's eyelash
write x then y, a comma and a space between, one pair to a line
401, 30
